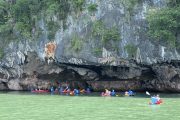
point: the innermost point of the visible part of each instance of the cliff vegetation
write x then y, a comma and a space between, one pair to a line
164, 24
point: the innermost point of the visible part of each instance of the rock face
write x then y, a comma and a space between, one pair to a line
39, 74
41, 64
168, 77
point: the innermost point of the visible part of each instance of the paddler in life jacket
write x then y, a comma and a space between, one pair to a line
88, 90
126, 93
153, 100
52, 90
159, 100
106, 93
82, 91
113, 93
76, 91
157, 97
131, 93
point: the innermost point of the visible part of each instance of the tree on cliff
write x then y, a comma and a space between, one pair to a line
164, 23
19, 19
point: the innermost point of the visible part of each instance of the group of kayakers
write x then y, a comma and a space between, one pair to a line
113, 93
108, 93
129, 93
155, 99
63, 87
68, 90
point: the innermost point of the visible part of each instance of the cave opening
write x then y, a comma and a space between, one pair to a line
110, 77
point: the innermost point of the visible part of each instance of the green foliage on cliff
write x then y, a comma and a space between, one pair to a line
129, 8
130, 4
111, 34
98, 29
5, 21
104, 33
173, 3
108, 36
76, 43
97, 51
164, 24
78, 4
131, 50
92, 7
1, 53
19, 18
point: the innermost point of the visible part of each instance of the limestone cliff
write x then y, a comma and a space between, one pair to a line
106, 47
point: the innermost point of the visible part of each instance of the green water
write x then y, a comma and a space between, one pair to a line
23, 106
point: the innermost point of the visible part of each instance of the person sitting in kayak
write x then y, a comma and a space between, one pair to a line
130, 93
153, 100
88, 90
106, 93
82, 91
60, 89
157, 97
76, 91
159, 100
52, 90
126, 93
113, 93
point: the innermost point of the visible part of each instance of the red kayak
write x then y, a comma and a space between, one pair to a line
40, 91
157, 103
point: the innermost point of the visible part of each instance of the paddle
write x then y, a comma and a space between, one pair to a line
147, 93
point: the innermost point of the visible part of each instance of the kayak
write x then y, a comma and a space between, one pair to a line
66, 91
39, 91
157, 103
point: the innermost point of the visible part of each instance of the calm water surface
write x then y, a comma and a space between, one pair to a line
28, 106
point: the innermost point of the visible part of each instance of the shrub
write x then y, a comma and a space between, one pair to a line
78, 4
92, 7
104, 33
131, 50
76, 43
111, 34
97, 51
98, 28
164, 24
23, 15
1, 53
